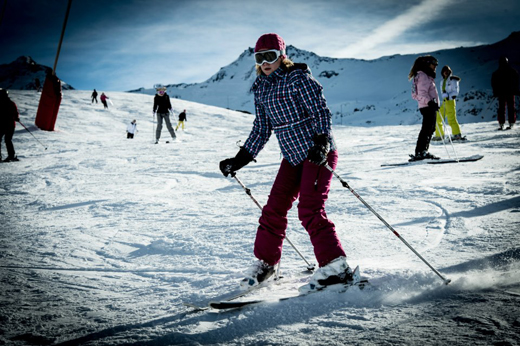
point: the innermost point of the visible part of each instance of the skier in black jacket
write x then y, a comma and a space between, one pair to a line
8, 118
505, 86
162, 106
182, 119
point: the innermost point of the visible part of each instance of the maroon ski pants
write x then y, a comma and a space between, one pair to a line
311, 183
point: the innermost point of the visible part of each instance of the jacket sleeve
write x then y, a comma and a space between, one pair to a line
260, 133
155, 105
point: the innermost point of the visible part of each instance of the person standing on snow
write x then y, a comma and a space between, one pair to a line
425, 92
290, 102
182, 119
8, 118
131, 129
104, 99
504, 82
94, 96
449, 92
163, 107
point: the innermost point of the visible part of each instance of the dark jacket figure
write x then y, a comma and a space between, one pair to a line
38, 85
182, 119
8, 118
94, 96
162, 106
504, 82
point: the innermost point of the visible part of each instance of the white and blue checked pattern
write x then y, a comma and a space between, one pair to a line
293, 106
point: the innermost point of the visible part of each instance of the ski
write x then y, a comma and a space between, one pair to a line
433, 162
339, 288
462, 159
226, 297
237, 293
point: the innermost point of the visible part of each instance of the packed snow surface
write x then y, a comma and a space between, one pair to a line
104, 238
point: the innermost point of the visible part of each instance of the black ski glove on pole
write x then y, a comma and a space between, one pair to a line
230, 166
318, 153
433, 105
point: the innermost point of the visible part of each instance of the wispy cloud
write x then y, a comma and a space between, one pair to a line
416, 16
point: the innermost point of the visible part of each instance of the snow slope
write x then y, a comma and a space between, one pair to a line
103, 238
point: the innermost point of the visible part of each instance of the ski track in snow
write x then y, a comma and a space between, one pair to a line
103, 238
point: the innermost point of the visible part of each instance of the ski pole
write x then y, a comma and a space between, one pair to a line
346, 185
442, 138
310, 267
32, 134
153, 127
449, 136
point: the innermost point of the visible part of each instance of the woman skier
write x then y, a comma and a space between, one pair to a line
290, 102
449, 93
425, 92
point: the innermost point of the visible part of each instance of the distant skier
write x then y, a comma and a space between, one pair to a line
37, 84
8, 117
104, 99
424, 91
449, 91
131, 129
94, 96
162, 106
182, 119
504, 82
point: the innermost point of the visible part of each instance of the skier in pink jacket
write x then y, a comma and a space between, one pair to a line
425, 92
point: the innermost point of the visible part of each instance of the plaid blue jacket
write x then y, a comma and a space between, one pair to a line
290, 103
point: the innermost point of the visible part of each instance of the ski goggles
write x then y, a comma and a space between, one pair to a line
161, 92
268, 56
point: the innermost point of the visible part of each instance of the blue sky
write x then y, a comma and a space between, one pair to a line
122, 45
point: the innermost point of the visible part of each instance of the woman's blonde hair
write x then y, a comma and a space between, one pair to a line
286, 63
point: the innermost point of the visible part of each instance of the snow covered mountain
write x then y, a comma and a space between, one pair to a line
361, 92
22, 74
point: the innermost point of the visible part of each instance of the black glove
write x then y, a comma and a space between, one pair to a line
453, 97
433, 105
318, 153
230, 166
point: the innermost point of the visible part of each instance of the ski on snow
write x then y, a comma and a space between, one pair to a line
433, 162
230, 304
226, 297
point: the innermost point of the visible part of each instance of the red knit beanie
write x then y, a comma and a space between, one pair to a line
270, 41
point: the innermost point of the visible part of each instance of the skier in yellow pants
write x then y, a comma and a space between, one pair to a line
449, 93
182, 119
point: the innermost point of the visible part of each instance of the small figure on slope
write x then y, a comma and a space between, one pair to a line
504, 82
8, 118
182, 119
131, 129
104, 99
162, 106
94, 96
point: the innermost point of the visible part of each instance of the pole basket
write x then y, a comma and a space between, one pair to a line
50, 101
